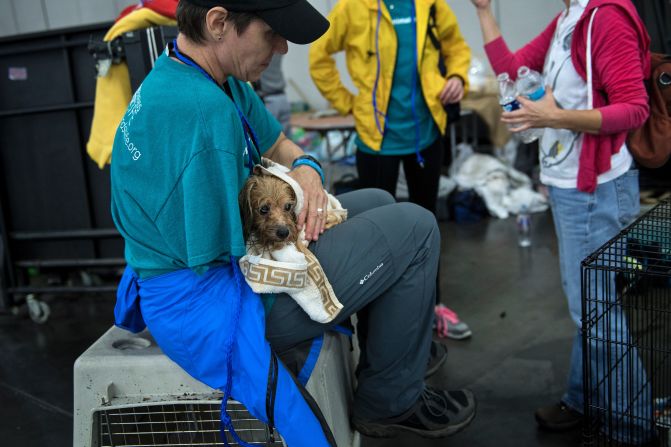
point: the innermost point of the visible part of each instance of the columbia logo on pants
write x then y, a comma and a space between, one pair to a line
367, 277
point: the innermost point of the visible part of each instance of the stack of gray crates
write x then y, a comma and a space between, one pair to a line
127, 392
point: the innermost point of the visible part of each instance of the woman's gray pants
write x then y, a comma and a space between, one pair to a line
382, 265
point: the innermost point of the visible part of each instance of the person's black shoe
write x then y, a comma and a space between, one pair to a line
436, 359
437, 414
558, 417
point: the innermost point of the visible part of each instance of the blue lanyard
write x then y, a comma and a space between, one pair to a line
250, 136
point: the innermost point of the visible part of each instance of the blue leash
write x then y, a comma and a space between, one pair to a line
226, 422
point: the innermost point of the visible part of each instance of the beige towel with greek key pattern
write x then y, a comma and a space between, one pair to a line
297, 273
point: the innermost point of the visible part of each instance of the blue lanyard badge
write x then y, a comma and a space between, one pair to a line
251, 139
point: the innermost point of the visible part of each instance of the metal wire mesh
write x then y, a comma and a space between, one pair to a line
171, 424
626, 328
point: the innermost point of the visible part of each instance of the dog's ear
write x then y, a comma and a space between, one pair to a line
291, 193
246, 206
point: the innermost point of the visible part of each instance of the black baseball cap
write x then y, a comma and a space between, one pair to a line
295, 20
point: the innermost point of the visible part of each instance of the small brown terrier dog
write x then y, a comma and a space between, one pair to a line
267, 205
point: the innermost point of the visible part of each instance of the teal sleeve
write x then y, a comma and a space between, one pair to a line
205, 204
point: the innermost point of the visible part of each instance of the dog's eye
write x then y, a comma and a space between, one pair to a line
264, 209
288, 207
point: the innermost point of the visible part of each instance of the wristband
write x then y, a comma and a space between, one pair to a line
311, 163
308, 157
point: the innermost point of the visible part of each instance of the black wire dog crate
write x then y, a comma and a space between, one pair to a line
626, 327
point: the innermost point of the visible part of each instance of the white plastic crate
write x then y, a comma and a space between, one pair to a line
128, 393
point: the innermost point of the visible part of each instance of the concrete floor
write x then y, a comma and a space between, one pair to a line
518, 356
516, 360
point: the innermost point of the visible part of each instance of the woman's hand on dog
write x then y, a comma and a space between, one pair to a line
314, 198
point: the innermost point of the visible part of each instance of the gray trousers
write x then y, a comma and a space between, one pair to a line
382, 264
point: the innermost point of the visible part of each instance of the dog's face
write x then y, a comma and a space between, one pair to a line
267, 205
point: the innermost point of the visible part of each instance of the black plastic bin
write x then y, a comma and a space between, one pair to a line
54, 201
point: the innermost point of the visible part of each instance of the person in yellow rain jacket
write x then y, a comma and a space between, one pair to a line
399, 111
383, 40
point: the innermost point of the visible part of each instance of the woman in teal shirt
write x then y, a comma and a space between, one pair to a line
183, 151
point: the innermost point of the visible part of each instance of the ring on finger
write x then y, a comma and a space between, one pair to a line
320, 210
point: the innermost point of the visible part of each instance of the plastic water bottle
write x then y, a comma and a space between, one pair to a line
524, 227
509, 103
507, 93
530, 84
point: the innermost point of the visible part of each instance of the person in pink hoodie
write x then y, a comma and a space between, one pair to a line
589, 172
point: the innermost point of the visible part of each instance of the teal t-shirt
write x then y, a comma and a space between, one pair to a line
399, 133
178, 162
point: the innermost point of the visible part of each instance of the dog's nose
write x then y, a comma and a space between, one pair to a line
282, 232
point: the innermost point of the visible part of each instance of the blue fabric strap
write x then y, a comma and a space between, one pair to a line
312, 164
313, 355
226, 421
342, 329
311, 360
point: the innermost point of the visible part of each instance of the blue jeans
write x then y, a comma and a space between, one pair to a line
583, 223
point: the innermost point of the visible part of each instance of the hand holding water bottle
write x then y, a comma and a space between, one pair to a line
534, 114
538, 108
509, 103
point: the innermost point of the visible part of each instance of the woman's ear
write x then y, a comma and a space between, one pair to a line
215, 22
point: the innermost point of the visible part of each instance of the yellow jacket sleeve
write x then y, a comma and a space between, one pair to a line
323, 68
455, 51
